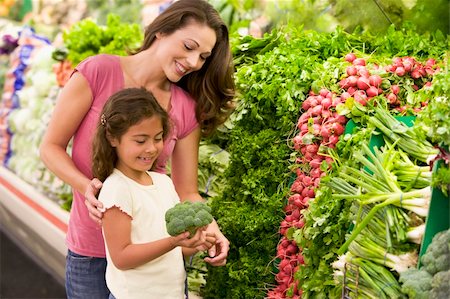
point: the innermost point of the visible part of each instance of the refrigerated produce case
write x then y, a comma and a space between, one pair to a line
34, 222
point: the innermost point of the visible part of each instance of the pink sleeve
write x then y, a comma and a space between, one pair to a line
183, 112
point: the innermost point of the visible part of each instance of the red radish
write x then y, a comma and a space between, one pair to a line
312, 148
429, 71
334, 139
351, 71
390, 68
299, 202
306, 105
415, 74
359, 61
304, 128
415, 87
372, 91
430, 62
351, 90
326, 113
325, 131
422, 71
317, 110
350, 57
361, 97
407, 64
352, 81
363, 83
297, 187
398, 61
344, 83
315, 173
307, 181
375, 80
400, 71
337, 128
315, 163
296, 214
324, 92
336, 101
363, 72
326, 103
345, 95
395, 89
341, 119
392, 98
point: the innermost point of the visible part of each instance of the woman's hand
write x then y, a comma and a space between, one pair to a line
219, 252
94, 206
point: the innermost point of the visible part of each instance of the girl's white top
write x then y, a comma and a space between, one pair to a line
163, 277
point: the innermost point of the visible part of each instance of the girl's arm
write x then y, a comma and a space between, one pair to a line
126, 255
184, 173
72, 105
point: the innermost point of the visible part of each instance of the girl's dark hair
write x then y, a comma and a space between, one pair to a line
213, 85
123, 109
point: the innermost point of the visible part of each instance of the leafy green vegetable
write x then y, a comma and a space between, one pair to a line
86, 38
187, 216
437, 255
416, 283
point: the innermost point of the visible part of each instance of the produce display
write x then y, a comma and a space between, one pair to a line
324, 177
296, 170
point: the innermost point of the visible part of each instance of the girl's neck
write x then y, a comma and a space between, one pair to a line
142, 178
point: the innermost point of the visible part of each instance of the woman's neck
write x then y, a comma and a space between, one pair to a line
142, 70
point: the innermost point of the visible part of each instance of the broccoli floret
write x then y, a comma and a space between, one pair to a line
437, 256
416, 283
440, 285
187, 216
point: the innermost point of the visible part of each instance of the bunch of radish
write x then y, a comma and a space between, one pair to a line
363, 82
413, 75
359, 82
319, 127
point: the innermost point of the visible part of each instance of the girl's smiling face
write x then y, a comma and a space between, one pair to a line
186, 50
140, 146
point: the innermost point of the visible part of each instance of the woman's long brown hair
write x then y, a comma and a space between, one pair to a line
213, 85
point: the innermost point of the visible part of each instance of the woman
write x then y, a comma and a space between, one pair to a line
185, 61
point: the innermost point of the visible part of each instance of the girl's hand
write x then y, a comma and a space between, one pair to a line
198, 240
94, 206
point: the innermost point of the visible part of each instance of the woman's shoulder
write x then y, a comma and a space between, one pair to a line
99, 62
182, 96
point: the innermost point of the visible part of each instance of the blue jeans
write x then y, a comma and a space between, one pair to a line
85, 277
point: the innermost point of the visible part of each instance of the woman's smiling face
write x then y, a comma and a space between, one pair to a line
186, 50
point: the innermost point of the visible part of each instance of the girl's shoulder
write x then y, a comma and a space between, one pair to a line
158, 177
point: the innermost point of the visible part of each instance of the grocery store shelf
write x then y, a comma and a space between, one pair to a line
35, 223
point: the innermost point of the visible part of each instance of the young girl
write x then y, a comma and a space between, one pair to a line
185, 61
143, 261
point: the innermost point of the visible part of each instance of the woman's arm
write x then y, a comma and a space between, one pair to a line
126, 255
72, 105
184, 173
